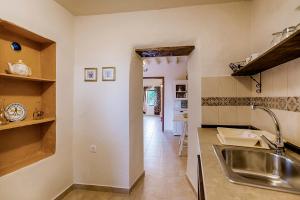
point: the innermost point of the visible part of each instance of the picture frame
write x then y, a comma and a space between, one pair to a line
108, 73
90, 74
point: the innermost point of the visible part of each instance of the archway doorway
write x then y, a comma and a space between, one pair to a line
158, 92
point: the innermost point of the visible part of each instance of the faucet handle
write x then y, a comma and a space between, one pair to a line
253, 106
272, 145
279, 149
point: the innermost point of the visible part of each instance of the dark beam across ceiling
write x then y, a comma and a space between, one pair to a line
165, 51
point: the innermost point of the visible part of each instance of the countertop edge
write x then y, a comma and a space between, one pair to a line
217, 186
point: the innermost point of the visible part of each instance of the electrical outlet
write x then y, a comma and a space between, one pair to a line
93, 148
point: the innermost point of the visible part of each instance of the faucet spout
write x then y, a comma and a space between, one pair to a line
279, 145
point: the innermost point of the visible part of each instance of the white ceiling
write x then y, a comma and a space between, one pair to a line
93, 7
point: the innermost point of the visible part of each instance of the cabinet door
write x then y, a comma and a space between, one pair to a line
201, 195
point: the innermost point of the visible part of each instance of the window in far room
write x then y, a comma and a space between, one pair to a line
151, 95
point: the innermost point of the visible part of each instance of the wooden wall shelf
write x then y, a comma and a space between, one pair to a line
26, 142
12, 76
25, 123
30, 159
286, 50
9, 29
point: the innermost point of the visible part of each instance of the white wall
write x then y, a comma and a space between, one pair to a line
218, 31
172, 71
152, 82
282, 81
101, 112
136, 135
47, 178
270, 16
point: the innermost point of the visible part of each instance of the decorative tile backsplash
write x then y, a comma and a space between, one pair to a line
293, 104
226, 100
279, 103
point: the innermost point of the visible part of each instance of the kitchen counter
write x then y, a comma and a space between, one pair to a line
216, 184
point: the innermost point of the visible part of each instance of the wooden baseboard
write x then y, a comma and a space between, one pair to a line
190, 183
137, 181
91, 188
64, 193
99, 188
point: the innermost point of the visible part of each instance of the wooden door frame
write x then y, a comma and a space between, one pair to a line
163, 97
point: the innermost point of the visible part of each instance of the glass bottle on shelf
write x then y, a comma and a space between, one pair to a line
298, 27
288, 31
276, 38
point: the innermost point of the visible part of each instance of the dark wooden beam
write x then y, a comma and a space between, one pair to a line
165, 51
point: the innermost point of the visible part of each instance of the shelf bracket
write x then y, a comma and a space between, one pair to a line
258, 83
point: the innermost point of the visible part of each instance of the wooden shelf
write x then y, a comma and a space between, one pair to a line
25, 123
32, 158
17, 77
286, 50
25, 142
13, 29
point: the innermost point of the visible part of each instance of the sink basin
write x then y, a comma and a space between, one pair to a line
259, 168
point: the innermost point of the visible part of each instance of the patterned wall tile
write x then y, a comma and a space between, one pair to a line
279, 103
225, 101
293, 104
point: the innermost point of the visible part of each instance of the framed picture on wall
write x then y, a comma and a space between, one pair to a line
108, 73
90, 74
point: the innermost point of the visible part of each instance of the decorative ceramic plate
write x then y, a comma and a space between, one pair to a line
15, 112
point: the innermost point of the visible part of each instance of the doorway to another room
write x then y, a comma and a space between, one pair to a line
165, 103
166, 99
153, 105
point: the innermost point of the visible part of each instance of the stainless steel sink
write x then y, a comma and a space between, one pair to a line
259, 168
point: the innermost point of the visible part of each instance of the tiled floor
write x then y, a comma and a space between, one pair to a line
165, 171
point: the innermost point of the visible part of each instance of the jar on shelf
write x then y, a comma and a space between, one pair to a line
288, 31
276, 38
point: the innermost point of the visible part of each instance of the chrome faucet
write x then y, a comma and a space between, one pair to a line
278, 146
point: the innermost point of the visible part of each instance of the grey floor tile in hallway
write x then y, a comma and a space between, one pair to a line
165, 171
